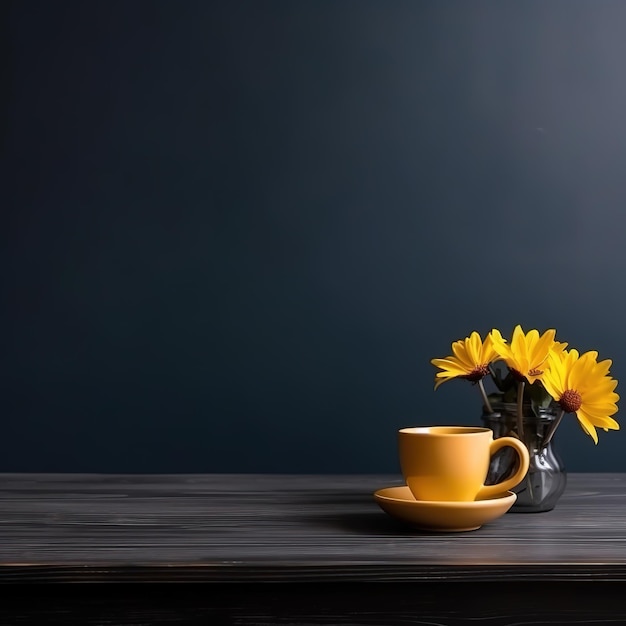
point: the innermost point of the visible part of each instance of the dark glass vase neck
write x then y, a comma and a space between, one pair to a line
535, 428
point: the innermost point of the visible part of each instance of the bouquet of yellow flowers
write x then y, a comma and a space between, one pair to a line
540, 372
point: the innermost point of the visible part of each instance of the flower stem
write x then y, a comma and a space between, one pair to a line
495, 378
485, 398
555, 425
520, 409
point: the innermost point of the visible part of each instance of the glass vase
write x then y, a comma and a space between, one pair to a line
546, 478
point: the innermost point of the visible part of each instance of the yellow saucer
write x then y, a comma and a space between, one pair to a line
442, 516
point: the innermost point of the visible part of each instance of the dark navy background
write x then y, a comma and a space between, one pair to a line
235, 233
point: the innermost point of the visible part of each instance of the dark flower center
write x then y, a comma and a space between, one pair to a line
478, 373
570, 401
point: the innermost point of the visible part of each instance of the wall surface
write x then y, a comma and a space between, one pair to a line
235, 233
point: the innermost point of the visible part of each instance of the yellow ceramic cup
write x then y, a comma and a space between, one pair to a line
450, 463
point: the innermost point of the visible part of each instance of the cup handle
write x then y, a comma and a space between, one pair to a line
489, 491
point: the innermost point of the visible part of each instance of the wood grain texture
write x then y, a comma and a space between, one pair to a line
258, 528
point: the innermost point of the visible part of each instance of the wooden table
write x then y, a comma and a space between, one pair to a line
257, 549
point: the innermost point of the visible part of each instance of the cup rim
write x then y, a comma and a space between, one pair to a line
446, 431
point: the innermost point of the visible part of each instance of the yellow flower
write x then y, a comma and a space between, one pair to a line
526, 355
470, 361
581, 385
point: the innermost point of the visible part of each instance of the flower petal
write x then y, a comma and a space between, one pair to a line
586, 424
